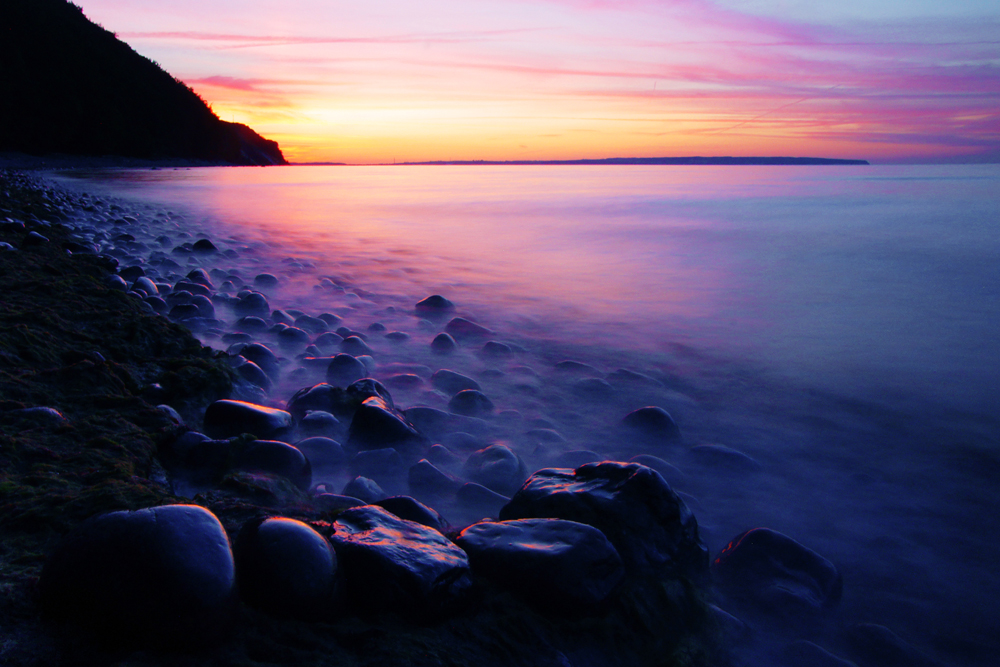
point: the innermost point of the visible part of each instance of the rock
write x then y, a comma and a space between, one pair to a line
377, 464
285, 568
723, 457
401, 566
471, 403
318, 423
183, 311
410, 509
292, 337
647, 522
478, 498
497, 468
281, 317
355, 347
345, 369
328, 341
461, 328
496, 350
376, 327
253, 303
364, 489
770, 572
132, 273
322, 397
625, 376
442, 344
576, 458
435, 423
652, 423
263, 357
192, 287
33, 239
204, 246
265, 280
146, 285
670, 473
162, 576
365, 388
227, 419
451, 382
375, 425
41, 415
554, 564
398, 336
253, 374
313, 325
324, 454
116, 283
593, 388
577, 367
434, 304
427, 480
405, 381
201, 277
276, 458
443, 457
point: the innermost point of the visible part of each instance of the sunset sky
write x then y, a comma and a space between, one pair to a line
385, 80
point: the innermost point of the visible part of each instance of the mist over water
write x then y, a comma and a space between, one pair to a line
836, 324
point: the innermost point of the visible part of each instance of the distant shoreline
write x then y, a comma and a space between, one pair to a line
678, 161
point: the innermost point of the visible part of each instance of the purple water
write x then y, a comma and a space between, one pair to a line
837, 324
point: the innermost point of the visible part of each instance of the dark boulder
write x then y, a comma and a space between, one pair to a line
227, 419
652, 423
378, 464
644, 519
496, 467
293, 337
375, 425
321, 396
496, 350
285, 568
324, 454
434, 304
252, 373
481, 501
770, 572
265, 280
345, 369
162, 576
318, 423
263, 357
364, 489
427, 480
410, 509
462, 328
203, 246
355, 347
401, 566
554, 564
333, 502
250, 323
451, 382
276, 458
253, 303
442, 344
471, 403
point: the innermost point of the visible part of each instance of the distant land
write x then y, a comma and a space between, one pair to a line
659, 161
68, 87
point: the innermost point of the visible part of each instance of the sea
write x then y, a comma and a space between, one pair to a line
837, 325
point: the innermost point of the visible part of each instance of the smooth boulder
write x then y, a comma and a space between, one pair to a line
276, 458
555, 564
376, 425
391, 564
497, 468
649, 525
163, 575
227, 419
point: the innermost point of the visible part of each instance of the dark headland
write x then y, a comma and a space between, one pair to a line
68, 87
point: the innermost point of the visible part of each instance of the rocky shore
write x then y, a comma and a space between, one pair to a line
167, 502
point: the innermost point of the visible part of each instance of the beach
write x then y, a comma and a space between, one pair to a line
748, 454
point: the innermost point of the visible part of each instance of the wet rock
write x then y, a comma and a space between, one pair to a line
313, 325
322, 397
263, 357
427, 480
276, 458
443, 344
498, 468
652, 423
324, 454
116, 283
253, 373
192, 287
670, 473
375, 425
318, 423
132, 273
443, 457
253, 303
204, 306
365, 489
366, 388
285, 568
204, 247
770, 572
479, 499
265, 280
647, 522
471, 403
395, 565
41, 415
554, 564
462, 328
451, 382
146, 285
376, 327
345, 369
405, 381
227, 419
410, 509
355, 346
721, 456
328, 341
496, 350
291, 337
378, 464
162, 576
398, 336
281, 317
434, 304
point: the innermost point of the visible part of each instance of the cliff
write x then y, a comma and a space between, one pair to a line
69, 86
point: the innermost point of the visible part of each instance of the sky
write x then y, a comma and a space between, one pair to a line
891, 81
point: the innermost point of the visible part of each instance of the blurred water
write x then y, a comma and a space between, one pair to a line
837, 324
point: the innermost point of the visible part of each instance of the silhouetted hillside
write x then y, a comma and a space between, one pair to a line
69, 86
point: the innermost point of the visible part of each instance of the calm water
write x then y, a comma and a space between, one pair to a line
838, 324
